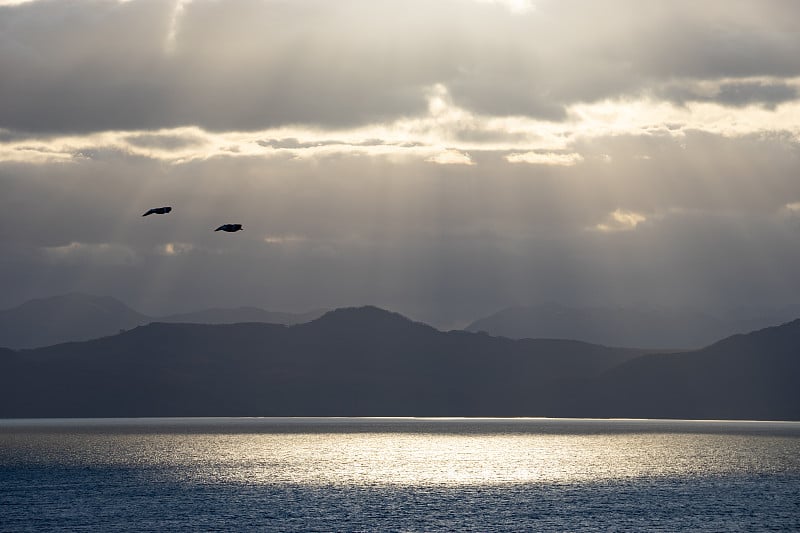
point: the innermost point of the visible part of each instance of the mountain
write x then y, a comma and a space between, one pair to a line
79, 317
357, 361
752, 376
242, 314
370, 362
631, 327
71, 317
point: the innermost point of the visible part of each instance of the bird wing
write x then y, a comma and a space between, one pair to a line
149, 212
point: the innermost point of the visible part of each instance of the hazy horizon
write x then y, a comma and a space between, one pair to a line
444, 160
760, 316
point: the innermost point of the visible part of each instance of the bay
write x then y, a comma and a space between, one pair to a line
379, 474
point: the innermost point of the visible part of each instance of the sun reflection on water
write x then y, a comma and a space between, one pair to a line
399, 475
356, 456
413, 459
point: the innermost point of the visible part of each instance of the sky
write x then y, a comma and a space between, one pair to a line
444, 159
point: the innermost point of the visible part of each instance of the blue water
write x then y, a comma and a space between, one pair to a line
398, 475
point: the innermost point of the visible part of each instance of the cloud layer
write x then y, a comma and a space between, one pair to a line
444, 159
99, 65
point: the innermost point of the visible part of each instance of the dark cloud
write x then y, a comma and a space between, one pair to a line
164, 141
245, 64
294, 144
82, 66
508, 92
291, 143
736, 94
480, 135
12, 136
767, 94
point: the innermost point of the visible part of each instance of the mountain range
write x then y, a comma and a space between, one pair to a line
635, 327
371, 362
77, 317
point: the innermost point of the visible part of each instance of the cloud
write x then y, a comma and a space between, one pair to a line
174, 248
515, 6
451, 240
738, 93
90, 253
620, 220
545, 158
793, 208
165, 141
283, 239
451, 157
422, 137
745, 93
247, 65
293, 144
446, 155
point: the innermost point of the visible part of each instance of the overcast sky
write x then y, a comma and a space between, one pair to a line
444, 158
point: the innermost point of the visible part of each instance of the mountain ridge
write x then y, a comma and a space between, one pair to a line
357, 361
634, 327
77, 317
371, 362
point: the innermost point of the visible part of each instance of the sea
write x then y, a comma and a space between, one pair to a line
398, 474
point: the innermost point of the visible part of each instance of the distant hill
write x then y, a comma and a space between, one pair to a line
362, 361
370, 362
611, 326
71, 317
78, 317
752, 376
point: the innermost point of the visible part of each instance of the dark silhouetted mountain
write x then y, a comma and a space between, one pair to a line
631, 327
242, 314
363, 361
71, 317
752, 376
78, 317
370, 362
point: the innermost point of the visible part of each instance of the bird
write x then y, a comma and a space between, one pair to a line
158, 211
230, 228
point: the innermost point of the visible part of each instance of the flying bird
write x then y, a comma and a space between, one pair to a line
158, 211
230, 228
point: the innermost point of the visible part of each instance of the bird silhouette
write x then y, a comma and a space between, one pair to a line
230, 228
158, 211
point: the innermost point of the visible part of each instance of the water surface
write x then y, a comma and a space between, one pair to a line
398, 474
